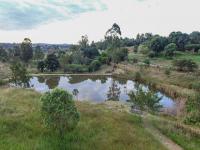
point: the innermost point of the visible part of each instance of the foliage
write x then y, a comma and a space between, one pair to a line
185, 65
65, 59
157, 44
193, 47
95, 65
145, 100
193, 110
3, 55
26, 50
19, 74
143, 49
59, 111
180, 39
137, 76
38, 53
41, 66
147, 62
104, 58
52, 63
113, 92
113, 35
170, 49
118, 55
74, 68
167, 71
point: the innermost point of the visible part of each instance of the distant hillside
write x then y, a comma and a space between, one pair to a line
44, 46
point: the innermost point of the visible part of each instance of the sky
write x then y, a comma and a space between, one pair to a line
65, 21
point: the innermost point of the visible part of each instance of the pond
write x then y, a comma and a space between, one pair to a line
94, 88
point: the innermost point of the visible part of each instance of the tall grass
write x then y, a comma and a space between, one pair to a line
21, 127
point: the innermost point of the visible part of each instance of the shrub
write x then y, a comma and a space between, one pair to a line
147, 62
152, 54
75, 68
135, 60
41, 66
137, 76
19, 74
95, 65
145, 100
168, 71
59, 111
143, 49
170, 50
185, 65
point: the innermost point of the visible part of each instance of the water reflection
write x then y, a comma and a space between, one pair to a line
113, 92
93, 88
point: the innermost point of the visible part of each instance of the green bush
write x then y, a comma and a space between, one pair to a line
59, 111
185, 65
152, 54
168, 71
137, 76
146, 62
145, 100
170, 50
143, 49
94, 66
75, 68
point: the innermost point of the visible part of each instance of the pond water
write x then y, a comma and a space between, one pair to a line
94, 88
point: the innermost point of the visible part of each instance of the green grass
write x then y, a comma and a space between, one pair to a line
184, 138
21, 127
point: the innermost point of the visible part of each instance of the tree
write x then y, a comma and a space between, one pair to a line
113, 36
52, 62
19, 74
41, 66
180, 39
38, 53
91, 51
59, 111
145, 100
84, 42
170, 49
157, 44
114, 92
195, 37
64, 60
26, 50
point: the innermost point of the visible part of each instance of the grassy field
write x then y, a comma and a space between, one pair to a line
183, 136
166, 62
21, 127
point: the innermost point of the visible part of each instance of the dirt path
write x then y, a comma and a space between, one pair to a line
168, 143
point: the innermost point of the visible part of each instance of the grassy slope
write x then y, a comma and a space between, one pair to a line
21, 127
182, 136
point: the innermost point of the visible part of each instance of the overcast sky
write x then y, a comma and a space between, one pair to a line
64, 21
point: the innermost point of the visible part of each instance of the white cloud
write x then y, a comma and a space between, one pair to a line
134, 16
